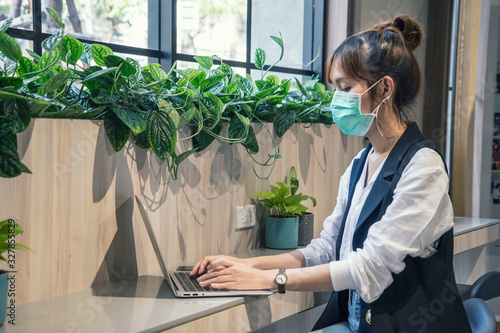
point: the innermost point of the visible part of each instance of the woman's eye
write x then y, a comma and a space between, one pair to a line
346, 89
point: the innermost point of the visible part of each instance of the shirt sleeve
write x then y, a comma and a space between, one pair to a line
420, 213
322, 250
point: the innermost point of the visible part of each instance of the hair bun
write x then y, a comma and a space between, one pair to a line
410, 29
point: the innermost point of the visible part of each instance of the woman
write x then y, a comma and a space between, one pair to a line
387, 248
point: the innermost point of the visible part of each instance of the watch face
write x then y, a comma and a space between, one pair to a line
281, 278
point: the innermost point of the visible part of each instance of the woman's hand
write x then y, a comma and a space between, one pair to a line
224, 273
201, 265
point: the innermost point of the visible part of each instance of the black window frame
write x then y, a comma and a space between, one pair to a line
162, 37
166, 39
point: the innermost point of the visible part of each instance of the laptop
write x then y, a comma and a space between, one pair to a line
181, 284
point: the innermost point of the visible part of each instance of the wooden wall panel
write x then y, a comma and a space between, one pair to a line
81, 221
465, 91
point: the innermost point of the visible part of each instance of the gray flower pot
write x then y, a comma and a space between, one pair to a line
306, 228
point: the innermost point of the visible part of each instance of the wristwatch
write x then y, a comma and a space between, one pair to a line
281, 279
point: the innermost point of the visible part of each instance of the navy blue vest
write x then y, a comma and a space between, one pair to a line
424, 296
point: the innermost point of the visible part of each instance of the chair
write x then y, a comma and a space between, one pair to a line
481, 318
485, 288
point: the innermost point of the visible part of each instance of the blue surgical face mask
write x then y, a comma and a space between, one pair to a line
346, 111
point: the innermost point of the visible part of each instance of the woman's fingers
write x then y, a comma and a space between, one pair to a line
216, 278
201, 266
219, 263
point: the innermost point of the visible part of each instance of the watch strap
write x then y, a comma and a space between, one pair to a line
281, 287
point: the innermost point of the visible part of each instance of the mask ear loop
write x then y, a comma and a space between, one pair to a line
373, 85
376, 120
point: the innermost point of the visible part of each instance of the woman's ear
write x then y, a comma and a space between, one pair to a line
387, 85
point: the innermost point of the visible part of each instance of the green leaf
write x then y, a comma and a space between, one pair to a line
141, 140
51, 42
165, 106
55, 83
217, 88
30, 97
6, 125
294, 182
251, 143
285, 86
126, 68
245, 84
238, 129
72, 49
117, 131
273, 80
26, 66
99, 52
34, 55
131, 118
49, 58
157, 73
25, 169
137, 66
261, 84
212, 105
87, 54
212, 81
321, 90
179, 159
186, 117
19, 112
205, 62
5, 24
98, 73
196, 77
232, 87
225, 68
10, 165
264, 194
162, 133
9, 47
279, 41
204, 139
14, 82
56, 17
301, 88
284, 119
260, 58
92, 113
104, 97
73, 111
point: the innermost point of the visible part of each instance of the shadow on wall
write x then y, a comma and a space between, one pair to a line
120, 261
104, 166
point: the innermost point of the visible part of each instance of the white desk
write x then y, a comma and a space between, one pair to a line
147, 304
474, 232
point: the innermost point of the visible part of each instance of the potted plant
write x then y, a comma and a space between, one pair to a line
284, 204
8, 230
306, 219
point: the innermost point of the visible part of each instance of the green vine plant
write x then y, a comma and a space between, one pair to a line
71, 79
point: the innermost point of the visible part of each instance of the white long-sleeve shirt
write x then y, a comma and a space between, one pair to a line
419, 214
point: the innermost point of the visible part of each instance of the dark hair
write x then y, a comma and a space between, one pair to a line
385, 49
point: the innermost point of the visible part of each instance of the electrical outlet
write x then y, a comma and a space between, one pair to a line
245, 216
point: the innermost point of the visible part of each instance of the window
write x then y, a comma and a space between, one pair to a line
233, 29
119, 24
166, 31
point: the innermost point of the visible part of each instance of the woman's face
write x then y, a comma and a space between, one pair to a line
342, 83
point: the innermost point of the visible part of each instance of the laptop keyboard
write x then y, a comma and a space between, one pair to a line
190, 283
